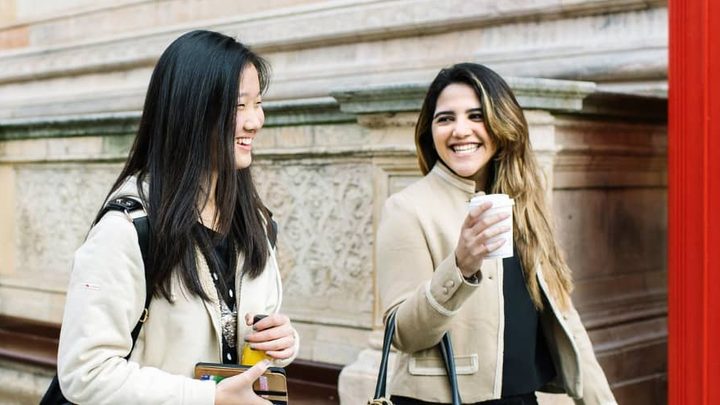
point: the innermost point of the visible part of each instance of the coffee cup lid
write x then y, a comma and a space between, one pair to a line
497, 200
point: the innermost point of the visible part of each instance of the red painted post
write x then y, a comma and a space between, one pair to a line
713, 201
694, 203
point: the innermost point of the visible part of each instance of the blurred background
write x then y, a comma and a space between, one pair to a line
348, 79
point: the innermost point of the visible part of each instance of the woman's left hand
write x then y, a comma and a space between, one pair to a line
273, 334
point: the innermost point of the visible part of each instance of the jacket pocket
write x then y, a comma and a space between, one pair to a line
467, 364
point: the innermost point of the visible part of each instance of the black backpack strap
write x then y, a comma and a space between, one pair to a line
129, 206
273, 234
273, 231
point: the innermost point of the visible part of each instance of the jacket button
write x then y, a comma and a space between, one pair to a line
490, 276
445, 290
449, 284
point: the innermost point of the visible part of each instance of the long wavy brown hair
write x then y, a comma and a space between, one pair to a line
513, 171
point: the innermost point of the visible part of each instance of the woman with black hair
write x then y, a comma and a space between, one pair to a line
513, 326
210, 257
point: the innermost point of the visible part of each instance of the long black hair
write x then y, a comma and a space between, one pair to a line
185, 137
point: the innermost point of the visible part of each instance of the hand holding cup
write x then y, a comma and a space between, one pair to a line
487, 228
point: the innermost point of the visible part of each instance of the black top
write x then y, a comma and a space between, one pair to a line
527, 364
224, 279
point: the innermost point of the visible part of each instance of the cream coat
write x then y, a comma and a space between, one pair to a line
417, 273
105, 299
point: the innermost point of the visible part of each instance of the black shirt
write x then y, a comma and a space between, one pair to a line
527, 364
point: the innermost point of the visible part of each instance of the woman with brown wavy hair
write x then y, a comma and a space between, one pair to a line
513, 325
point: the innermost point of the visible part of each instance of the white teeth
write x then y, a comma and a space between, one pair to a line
244, 141
472, 147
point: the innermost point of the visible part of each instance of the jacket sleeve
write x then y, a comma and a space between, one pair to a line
105, 299
426, 294
596, 390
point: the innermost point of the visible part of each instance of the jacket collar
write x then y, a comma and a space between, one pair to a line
446, 175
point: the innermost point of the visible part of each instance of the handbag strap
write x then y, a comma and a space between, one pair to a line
449, 360
381, 385
447, 355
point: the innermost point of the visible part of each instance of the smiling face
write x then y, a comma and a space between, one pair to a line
249, 116
459, 134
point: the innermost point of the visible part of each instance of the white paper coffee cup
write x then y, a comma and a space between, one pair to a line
500, 203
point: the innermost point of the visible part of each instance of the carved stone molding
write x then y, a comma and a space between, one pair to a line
326, 45
531, 93
326, 23
324, 212
321, 110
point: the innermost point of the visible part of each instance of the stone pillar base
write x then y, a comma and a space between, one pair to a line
356, 384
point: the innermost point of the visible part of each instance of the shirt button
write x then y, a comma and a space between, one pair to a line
490, 277
229, 357
449, 284
445, 290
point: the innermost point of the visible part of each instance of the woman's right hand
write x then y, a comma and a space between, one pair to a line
238, 389
476, 232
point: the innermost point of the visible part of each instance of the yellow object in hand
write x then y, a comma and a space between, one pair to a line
250, 356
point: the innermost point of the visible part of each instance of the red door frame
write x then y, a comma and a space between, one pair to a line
694, 203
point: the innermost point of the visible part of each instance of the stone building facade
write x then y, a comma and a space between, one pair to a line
348, 79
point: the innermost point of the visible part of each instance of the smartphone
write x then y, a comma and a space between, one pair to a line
272, 385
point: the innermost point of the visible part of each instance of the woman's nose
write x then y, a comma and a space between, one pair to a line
253, 121
462, 128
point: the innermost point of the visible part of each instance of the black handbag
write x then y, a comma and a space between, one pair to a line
53, 395
445, 346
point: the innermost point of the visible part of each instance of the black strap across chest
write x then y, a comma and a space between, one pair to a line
129, 206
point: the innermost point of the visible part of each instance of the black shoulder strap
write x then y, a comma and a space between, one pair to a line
272, 235
142, 227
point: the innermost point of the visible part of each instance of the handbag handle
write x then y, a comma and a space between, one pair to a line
445, 349
449, 360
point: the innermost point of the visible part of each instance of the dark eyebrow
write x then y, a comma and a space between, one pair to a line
439, 113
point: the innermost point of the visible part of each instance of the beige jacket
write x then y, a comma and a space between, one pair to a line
105, 299
417, 273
